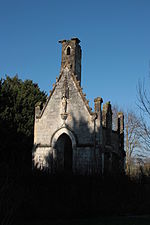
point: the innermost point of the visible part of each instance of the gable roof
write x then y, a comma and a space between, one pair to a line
79, 88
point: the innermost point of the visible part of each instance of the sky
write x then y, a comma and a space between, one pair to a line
114, 35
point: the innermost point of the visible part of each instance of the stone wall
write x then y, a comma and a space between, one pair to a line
79, 121
94, 144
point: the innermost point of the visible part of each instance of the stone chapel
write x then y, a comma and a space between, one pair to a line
68, 136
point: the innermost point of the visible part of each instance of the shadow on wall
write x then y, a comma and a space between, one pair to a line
77, 148
73, 149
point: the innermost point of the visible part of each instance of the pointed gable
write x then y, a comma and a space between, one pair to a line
65, 83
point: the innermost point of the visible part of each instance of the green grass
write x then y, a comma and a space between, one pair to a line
93, 221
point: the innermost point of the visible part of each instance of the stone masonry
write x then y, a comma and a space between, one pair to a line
68, 136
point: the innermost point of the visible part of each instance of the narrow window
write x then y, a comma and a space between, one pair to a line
68, 51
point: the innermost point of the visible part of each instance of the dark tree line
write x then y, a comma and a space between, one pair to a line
17, 103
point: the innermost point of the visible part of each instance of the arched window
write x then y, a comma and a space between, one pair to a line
68, 51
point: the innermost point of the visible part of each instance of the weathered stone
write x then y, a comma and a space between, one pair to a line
68, 136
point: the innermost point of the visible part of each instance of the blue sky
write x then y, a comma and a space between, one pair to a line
115, 41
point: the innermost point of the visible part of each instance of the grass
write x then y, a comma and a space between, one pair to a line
143, 220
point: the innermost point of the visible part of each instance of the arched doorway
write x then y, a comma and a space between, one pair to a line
64, 151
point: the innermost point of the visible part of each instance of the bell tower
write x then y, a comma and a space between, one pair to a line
71, 56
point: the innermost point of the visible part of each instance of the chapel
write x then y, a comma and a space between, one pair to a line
69, 137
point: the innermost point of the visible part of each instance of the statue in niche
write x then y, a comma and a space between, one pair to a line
64, 104
65, 96
65, 88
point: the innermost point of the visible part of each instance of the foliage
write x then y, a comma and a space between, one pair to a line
17, 102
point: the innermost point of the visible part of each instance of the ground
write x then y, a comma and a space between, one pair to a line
122, 220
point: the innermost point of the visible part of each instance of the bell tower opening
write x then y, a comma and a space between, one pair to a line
71, 55
68, 51
64, 153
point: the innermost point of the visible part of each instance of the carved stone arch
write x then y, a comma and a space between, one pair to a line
59, 132
59, 155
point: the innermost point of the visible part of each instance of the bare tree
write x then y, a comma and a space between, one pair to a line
132, 134
144, 106
132, 138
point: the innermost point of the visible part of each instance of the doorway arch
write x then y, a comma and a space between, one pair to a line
63, 147
63, 143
